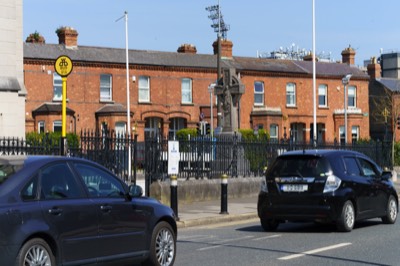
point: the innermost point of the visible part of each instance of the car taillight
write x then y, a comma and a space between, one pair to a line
332, 183
264, 187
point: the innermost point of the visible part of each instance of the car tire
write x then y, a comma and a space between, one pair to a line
269, 224
347, 217
391, 212
162, 246
35, 252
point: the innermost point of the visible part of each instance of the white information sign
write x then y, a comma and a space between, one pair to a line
173, 157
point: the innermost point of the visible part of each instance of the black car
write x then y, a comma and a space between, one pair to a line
327, 186
70, 211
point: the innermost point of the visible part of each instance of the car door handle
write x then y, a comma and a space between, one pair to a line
105, 208
55, 211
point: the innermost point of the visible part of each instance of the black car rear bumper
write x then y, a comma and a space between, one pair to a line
302, 208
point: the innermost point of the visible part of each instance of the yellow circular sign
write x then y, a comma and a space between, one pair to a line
63, 65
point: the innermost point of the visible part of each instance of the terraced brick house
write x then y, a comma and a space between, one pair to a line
169, 91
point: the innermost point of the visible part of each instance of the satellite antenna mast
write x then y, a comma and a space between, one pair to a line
221, 28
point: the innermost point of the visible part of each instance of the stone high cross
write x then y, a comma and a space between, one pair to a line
229, 89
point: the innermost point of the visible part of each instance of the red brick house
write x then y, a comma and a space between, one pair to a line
169, 91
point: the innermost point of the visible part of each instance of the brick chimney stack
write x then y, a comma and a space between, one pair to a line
226, 48
187, 49
67, 36
309, 57
374, 69
35, 38
348, 56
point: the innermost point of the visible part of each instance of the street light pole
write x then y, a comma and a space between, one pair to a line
314, 78
345, 81
128, 104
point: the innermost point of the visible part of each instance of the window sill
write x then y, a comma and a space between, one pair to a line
145, 103
187, 104
59, 100
106, 101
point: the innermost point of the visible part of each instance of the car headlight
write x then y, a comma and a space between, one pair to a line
264, 187
332, 183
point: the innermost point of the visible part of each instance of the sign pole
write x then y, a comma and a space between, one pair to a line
63, 66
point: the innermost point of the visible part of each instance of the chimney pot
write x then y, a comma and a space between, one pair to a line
187, 49
67, 36
226, 48
348, 56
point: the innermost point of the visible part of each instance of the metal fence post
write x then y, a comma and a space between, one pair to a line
224, 194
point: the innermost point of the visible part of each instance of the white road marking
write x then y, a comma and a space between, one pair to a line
313, 251
266, 237
195, 238
222, 243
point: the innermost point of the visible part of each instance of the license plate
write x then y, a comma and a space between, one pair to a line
294, 188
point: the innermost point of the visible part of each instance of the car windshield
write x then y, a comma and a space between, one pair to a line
8, 168
300, 166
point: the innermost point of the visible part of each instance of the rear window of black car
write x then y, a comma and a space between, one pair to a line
301, 166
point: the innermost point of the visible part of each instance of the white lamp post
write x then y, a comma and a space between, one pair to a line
345, 81
314, 78
128, 104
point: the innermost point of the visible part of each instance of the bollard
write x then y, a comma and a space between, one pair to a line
224, 194
174, 195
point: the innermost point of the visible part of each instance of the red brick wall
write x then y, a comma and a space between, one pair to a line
83, 93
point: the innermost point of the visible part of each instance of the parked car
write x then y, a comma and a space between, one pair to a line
71, 211
329, 186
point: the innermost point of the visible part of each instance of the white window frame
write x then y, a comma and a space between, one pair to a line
352, 94
291, 94
274, 137
341, 135
41, 126
105, 87
258, 93
57, 124
323, 94
120, 128
355, 133
57, 87
186, 89
144, 89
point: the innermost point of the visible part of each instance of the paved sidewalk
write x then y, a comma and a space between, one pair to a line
208, 212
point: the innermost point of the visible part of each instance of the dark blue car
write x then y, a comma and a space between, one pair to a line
328, 186
70, 211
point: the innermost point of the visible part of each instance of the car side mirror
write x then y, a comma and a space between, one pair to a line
386, 175
135, 191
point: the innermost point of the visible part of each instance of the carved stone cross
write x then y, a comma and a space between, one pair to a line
229, 89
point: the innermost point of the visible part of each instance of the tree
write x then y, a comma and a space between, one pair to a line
385, 112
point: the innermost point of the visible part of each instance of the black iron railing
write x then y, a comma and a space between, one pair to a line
200, 158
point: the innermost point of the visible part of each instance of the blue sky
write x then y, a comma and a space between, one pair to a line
255, 25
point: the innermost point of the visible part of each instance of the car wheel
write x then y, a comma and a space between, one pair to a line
347, 217
162, 246
269, 224
391, 212
35, 252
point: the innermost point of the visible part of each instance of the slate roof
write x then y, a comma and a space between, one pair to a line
51, 108
111, 108
390, 83
175, 59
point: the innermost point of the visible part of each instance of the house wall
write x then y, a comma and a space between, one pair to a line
12, 91
83, 94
